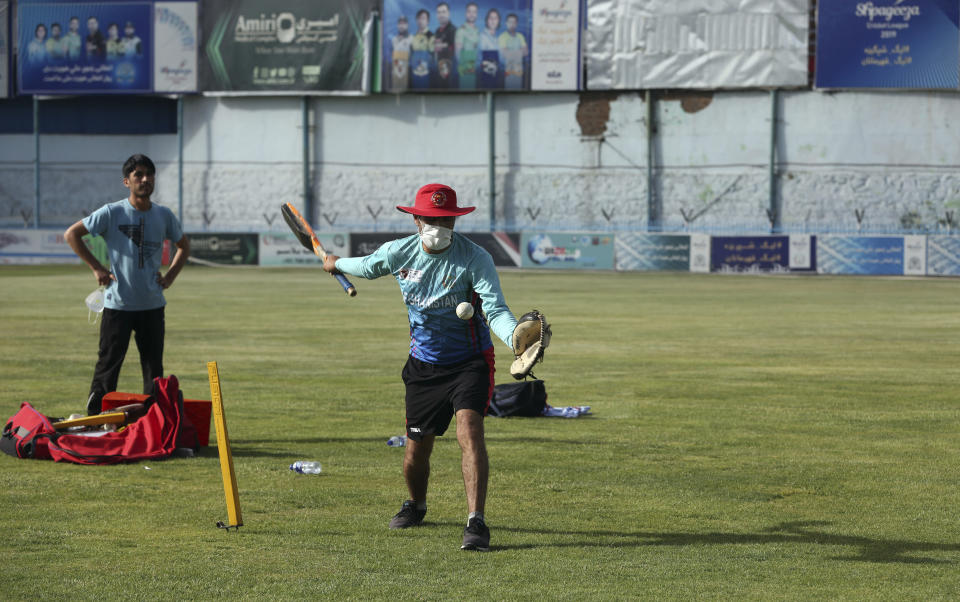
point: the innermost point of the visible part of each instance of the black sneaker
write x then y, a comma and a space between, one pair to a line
409, 516
476, 536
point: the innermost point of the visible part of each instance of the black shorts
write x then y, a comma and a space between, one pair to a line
435, 392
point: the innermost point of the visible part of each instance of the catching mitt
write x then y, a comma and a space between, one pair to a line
531, 338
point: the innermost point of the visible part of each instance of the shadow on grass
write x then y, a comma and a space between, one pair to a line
273, 448
867, 549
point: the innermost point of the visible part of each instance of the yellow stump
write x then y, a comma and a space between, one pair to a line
226, 457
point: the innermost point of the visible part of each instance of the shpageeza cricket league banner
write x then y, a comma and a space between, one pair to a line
567, 250
111, 46
4, 49
483, 45
637, 44
285, 46
888, 44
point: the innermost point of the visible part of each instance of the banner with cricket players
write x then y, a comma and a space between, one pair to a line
111, 46
706, 44
471, 45
4, 49
286, 46
911, 44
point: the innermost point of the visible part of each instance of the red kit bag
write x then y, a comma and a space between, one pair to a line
152, 436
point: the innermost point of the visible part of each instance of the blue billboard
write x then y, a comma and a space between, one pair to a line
85, 47
888, 44
750, 254
875, 255
456, 45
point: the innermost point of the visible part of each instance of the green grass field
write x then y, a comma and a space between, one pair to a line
752, 438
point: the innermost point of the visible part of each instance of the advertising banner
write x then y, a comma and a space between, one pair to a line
915, 255
504, 247
643, 252
457, 45
4, 49
637, 44
888, 44
224, 248
877, 255
566, 250
750, 254
364, 243
96, 47
555, 57
285, 46
700, 253
802, 252
175, 47
35, 246
943, 255
283, 249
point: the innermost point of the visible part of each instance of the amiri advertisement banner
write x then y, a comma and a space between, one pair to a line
285, 46
888, 44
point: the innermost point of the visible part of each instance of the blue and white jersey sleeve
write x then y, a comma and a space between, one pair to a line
432, 286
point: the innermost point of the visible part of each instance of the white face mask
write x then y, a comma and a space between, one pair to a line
435, 238
94, 303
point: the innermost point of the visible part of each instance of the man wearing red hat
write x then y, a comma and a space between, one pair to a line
450, 369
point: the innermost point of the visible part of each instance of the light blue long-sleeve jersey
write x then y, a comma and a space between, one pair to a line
432, 285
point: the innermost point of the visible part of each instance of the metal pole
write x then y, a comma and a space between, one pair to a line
305, 118
651, 207
774, 208
36, 161
180, 158
492, 158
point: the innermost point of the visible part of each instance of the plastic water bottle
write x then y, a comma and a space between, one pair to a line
397, 441
305, 467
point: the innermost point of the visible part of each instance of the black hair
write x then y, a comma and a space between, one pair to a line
136, 161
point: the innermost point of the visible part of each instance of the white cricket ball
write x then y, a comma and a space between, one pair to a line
464, 311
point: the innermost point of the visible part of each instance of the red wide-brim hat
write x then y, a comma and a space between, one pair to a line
436, 200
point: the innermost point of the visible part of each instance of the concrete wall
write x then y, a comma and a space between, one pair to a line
563, 160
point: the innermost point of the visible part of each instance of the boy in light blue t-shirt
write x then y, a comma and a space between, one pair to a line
134, 230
